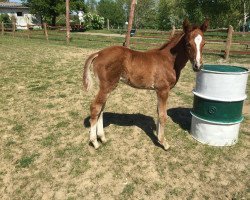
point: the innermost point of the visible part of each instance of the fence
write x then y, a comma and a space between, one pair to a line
220, 41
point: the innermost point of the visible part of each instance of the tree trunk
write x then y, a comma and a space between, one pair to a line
41, 17
53, 20
245, 16
67, 22
130, 22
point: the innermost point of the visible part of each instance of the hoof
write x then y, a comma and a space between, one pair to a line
165, 145
95, 144
103, 140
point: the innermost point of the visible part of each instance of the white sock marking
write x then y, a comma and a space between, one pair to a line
197, 41
100, 131
93, 130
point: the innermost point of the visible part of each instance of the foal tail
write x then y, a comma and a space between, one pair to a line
87, 80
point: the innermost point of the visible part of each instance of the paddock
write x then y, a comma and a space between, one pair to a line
45, 152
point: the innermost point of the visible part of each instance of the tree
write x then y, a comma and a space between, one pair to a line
113, 11
5, 19
91, 4
246, 12
49, 10
170, 12
145, 14
221, 13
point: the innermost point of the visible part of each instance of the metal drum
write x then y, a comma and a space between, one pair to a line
218, 101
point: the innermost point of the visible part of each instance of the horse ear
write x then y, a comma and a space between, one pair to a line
204, 26
186, 26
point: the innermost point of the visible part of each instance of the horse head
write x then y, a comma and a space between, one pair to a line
194, 42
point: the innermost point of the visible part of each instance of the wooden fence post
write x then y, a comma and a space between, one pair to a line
172, 32
45, 31
13, 28
108, 24
2, 26
67, 22
28, 30
229, 41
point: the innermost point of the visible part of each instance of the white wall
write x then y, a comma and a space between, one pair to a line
21, 21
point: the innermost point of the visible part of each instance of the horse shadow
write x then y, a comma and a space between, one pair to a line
146, 123
179, 115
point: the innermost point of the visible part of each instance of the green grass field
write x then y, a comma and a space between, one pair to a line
145, 39
44, 149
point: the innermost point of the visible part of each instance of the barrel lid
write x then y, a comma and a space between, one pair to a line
224, 69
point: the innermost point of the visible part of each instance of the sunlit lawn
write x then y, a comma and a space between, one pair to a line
45, 152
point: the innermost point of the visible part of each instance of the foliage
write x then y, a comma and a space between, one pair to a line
87, 20
91, 5
145, 14
49, 10
112, 10
5, 18
221, 12
161, 14
93, 21
97, 22
170, 13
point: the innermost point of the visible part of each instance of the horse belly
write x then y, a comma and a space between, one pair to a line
138, 81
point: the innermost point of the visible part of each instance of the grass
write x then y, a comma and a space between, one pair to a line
26, 161
139, 43
45, 152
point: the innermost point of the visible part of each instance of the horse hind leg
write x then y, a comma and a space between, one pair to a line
100, 131
96, 121
96, 131
96, 110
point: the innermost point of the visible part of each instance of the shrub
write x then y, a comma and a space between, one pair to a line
5, 18
87, 21
97, 22
93, 21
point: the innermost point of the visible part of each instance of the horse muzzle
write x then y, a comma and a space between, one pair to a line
197, 66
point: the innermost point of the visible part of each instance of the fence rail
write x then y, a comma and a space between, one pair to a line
218, 41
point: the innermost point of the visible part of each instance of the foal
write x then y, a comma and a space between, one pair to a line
157, 69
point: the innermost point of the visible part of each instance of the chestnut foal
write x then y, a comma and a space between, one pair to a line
157, 69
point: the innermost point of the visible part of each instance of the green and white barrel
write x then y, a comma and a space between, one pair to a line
218, 101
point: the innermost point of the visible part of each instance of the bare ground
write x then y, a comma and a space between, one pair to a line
45, 152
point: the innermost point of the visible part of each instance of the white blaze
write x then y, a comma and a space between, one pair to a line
197, 41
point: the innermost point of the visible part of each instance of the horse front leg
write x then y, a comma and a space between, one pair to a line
162, 117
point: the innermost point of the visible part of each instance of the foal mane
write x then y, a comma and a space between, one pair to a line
174, 39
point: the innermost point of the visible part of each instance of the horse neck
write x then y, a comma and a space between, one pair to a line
176, 47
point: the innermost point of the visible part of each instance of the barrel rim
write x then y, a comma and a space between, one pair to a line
219, 99
216, 122
246, 70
